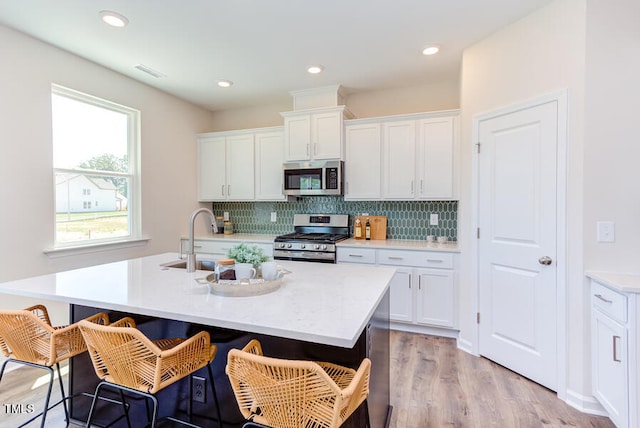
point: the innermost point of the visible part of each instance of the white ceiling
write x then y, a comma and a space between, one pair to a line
265, 46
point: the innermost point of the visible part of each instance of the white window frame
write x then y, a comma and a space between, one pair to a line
134, 198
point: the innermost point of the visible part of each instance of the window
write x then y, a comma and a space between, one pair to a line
95, 163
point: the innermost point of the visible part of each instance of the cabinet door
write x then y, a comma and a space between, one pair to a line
362, 159
435, 297
399, 160
610, 364
401, 295
240, 168
211, 169
297, 137
269, 158
326, 135
436, 158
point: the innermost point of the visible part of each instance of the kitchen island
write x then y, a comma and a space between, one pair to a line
327, 312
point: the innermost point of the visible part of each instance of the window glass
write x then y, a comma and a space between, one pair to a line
94, 149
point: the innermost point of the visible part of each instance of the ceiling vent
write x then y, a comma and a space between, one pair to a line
150, 71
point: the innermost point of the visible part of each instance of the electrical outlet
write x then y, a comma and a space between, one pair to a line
199, 389
274, 216
225, 216
606, 231
433, 220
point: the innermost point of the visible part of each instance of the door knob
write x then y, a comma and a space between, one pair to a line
545, 260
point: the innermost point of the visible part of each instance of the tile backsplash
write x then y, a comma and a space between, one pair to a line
405, 219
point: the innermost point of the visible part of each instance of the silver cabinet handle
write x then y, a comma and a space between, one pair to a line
421, 186
355, 255
599, 296
223, 190
545, 260
395, 258
435, 260
228, 189
308, 150
615, 349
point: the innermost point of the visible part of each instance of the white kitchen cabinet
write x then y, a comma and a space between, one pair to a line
269, 147
399, 160
610, 352
225, 167
363, 160
314, 134
423, 290
401, 295
218, 248
408, 157
241, 165
436, 158
435, 303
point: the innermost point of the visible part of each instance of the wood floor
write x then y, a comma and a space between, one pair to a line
433, 384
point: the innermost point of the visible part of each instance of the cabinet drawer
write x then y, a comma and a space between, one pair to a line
609, 302
415, 258
356, 255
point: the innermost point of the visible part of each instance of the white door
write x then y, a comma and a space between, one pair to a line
240, 168
398, 159
326, 135
517, 241
269, 158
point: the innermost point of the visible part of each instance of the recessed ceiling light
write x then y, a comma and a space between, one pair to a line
430, 50
113, 18
225, 83
315, 69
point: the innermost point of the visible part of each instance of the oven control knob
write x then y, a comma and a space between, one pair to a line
302, 246
289, 245
316, 247
281, 245
324, 247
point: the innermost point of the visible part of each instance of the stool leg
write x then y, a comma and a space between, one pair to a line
155, 410
125, 408
48, 397
215, 396
93, 405
64, 401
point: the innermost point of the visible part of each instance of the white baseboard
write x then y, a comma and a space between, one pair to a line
585, 403
423, 329
466, 346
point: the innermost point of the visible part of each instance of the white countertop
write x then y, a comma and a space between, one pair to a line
400, 244
628, 283
321, 303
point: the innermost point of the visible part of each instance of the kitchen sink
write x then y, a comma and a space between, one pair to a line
209, 265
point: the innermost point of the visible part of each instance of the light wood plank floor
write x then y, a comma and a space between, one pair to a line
433, 384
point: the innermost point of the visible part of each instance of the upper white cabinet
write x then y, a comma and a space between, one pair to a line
402, 157
399, 160
314, 134
269, 147
362, 159
240, 165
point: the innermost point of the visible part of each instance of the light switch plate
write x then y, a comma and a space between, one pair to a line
274, 216
433, 220
606, 231
225, 216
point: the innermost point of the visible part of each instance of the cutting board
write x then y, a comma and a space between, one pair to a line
378, 225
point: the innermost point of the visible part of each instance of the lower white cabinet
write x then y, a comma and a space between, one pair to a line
613, 382
218, 248
423, 290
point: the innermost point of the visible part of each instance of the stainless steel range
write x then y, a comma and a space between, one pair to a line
314, 238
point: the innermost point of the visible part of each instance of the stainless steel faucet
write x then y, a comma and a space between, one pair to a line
191, 255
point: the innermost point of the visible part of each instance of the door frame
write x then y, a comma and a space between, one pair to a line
561, 97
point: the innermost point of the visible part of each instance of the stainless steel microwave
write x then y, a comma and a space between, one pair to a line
313, 178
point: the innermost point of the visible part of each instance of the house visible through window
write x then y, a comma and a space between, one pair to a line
95, 147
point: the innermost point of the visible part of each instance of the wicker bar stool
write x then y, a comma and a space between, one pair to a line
282, 393
125, 359
28, 338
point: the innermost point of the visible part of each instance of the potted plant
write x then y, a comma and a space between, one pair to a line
243, 253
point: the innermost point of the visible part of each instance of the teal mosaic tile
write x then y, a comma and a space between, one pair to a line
405, 219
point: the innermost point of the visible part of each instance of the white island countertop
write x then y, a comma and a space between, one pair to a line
322, 303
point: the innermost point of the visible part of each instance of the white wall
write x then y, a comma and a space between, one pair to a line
169, 126
444, 95
612, 145
540, 54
